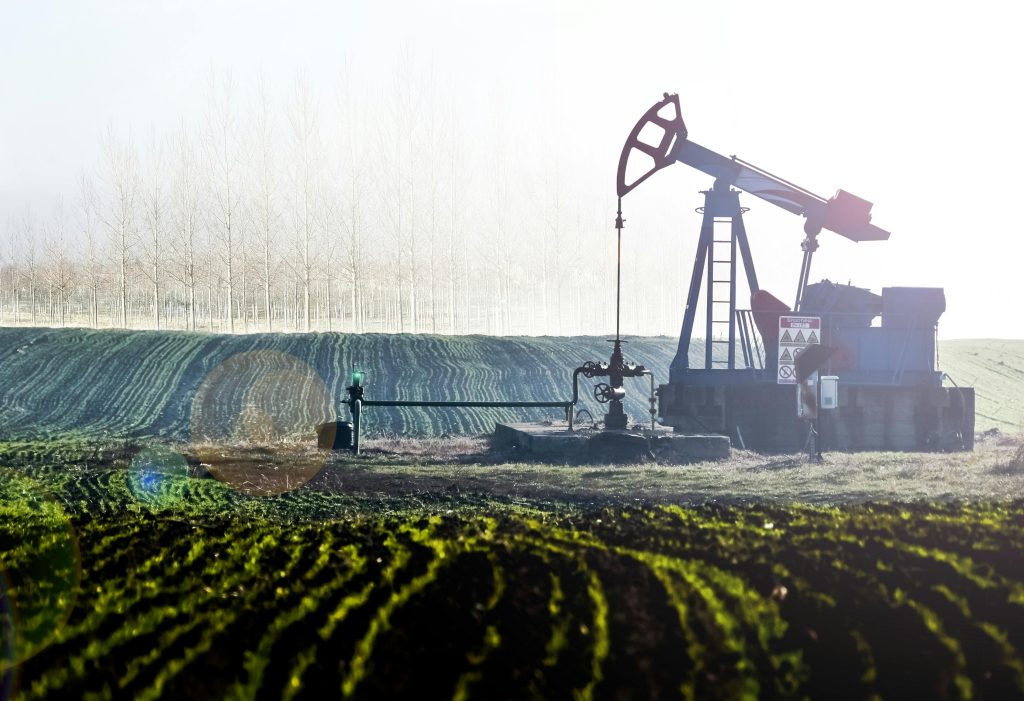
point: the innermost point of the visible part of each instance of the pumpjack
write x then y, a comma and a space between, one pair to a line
882, 347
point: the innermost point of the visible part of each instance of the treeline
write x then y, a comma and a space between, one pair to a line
353, 212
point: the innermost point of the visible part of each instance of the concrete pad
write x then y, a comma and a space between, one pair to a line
540, 439
678, 447
554, 441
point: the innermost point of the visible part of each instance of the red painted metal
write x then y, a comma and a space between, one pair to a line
767, 308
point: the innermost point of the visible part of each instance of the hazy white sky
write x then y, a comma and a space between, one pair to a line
914, 106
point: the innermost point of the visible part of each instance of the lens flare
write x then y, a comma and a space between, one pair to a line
40, 571
253, 422
155, 476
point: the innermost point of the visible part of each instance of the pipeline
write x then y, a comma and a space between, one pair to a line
652, 399
356, 403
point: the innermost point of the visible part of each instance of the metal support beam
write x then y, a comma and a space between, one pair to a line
720, 203
681, 363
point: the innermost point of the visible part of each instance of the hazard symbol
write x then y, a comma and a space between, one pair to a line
795, 334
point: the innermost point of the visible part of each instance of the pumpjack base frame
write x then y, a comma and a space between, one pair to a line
763, 417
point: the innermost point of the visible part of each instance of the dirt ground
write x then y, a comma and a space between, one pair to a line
467, 466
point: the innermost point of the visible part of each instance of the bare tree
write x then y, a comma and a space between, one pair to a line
352, 219
399, 142
429, 155
6, 263
185, 243
456, 246
30, 260
330, 224
59, 270
497, 243
407, 95
392, 220
155, 218
307, 188
88, 222
8, 266
549, 238
265, 209
13, 238
121, 176
244, 266
224, 151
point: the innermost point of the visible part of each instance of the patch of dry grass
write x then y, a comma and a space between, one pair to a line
465, 465
409, 466
1016, 463
450, 449
257, 469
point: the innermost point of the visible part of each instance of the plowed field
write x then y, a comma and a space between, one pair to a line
135, 584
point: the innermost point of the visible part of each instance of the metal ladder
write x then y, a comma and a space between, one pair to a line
721, 295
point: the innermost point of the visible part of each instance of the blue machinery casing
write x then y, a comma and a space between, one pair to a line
891, 395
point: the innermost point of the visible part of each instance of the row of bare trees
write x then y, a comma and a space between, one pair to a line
269, 216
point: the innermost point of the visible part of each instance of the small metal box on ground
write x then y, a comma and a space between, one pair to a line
829, 391
334, 435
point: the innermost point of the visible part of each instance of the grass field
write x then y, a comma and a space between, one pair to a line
139, 562
995, 369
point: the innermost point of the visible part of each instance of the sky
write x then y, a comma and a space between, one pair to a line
914, 106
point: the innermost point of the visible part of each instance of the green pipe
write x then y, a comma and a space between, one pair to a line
356, 411
356, 405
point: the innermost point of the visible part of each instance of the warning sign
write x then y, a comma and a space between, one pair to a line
795, 334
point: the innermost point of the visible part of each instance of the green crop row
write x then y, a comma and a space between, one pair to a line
83, 384
203, 592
